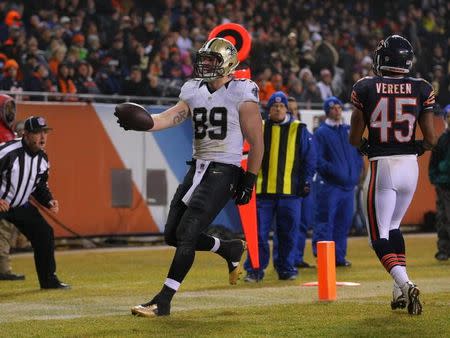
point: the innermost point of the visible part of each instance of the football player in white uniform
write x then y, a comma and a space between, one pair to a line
224, 111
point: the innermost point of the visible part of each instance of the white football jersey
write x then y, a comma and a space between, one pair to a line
215, 118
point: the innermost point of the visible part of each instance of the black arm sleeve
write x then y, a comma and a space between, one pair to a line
427, 96
42, 192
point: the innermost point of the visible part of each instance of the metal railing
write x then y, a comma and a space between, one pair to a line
73, 98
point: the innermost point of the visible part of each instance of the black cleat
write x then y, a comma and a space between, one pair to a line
345, 264
398, 303
11, 276
304, 265
398, 298
414, 305
54, 283
236, 250
441, 256
252, 278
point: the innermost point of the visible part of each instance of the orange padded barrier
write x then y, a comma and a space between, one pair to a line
81, 156
326, 270
249, 225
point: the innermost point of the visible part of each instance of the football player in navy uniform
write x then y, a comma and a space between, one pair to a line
224, 110
389, 105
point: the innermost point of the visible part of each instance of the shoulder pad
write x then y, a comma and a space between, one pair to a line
189, 88
364, 79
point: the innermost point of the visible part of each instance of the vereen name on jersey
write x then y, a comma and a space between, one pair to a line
393, 88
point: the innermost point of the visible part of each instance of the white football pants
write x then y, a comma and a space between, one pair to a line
388, 190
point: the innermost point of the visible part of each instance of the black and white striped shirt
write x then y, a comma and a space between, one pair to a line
23, 173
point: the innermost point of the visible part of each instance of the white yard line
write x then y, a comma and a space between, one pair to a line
258, 295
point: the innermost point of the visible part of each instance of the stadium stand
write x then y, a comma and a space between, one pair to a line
98, 44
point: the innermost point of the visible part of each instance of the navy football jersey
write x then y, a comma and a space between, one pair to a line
391, 108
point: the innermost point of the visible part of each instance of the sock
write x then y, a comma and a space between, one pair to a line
168, 290
231, 251
224, 249
398, 244
172, 284
385, 253
216, 245
398, 273
205, 243
181, 263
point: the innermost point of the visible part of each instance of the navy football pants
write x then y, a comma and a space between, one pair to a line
334, 213
285, 213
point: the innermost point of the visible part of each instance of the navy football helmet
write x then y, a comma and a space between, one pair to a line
394, 54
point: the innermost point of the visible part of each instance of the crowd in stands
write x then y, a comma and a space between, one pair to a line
310, 49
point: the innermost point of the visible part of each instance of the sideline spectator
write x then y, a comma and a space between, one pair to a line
7, 229
342, 44
281, 183
307, 203
40, 81
439, 173
108, 78
58, 56
135, 85
325, 84
339, 167
83, 79
293, 108
311, 94
78, 42
265, 85
10, 81
65, 83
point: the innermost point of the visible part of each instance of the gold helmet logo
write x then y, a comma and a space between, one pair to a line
217, 58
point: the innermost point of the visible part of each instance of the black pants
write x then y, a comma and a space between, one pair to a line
36, 229
186, 225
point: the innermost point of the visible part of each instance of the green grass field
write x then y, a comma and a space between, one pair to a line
107, 282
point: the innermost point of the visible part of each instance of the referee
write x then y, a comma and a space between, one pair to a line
24, 172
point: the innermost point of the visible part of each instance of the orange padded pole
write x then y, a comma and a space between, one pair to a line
326, 270
249, 223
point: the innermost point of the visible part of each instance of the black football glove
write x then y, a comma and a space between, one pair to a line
244, 188
123, 124
363, 147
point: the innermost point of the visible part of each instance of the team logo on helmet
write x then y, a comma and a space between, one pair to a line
394, 54
216, 58
41, 121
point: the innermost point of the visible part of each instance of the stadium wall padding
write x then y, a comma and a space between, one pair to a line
86, 144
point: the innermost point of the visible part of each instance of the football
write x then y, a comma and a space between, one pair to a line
132, 116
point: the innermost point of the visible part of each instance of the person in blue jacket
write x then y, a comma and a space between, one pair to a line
284, 178
339, 166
